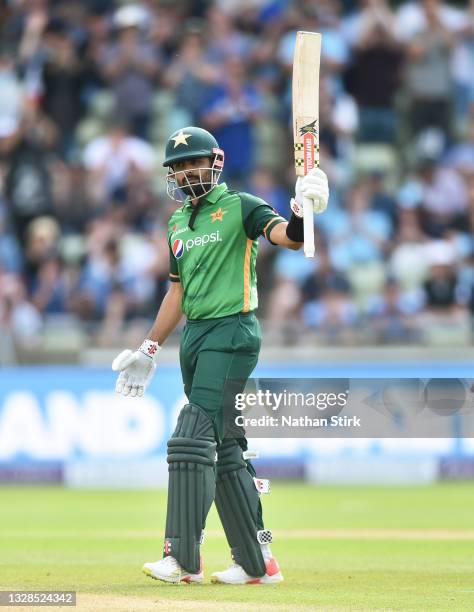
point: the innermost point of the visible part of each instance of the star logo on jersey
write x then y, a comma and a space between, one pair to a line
218, 215
181, 138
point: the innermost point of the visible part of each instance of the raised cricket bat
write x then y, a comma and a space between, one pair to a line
306, 119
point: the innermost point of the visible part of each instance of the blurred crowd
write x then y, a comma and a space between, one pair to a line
91, 90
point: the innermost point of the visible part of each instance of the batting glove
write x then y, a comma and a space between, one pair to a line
314, 186
136, 368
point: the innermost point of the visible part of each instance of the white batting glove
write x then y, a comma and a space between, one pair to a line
313, 186
136, 368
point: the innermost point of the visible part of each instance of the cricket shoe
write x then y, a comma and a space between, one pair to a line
235, 574
169, 570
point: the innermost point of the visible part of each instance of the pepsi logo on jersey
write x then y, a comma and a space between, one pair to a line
179, 247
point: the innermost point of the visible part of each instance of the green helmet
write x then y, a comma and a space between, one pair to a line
191, 143
188, 143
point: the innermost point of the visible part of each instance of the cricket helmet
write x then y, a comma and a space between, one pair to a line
191, 143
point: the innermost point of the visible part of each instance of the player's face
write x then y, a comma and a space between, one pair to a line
193, 176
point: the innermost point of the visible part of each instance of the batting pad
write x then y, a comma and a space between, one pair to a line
191, 485
238, 504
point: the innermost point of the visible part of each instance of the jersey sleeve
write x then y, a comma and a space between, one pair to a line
174, 271
258, 217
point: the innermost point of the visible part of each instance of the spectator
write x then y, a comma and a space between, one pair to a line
283, 310
225, 39
380, 197
335, 51
265, 185
340, 120
462, 65
190, 74
335, 314
131, 65
11, 101
23, 147
374, 75
285, 298
11, 257
470, 226
461, 155
326, 300
50, 290
321, 17
63, 80
98, 27
102, 283
407, 262
323, 278
41, 245
359, 235
72, 206
20, 321
116, 275
111, 160
393, 314
445, 197
230, 113
465, 287
442, 282
427, 30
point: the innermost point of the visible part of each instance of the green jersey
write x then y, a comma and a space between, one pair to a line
215, 261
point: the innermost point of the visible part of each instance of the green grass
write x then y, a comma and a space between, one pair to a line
96, 542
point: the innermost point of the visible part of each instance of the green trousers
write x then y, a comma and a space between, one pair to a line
213, 352
217, 357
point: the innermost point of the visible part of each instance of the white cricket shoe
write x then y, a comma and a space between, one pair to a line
169, 570
235, 574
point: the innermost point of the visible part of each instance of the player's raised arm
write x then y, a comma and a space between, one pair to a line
313, 186
137, 367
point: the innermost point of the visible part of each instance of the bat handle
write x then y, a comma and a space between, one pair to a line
308, 227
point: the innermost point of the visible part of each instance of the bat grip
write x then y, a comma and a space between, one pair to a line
308, 227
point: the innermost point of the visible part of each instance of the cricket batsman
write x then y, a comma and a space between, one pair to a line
213, 241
